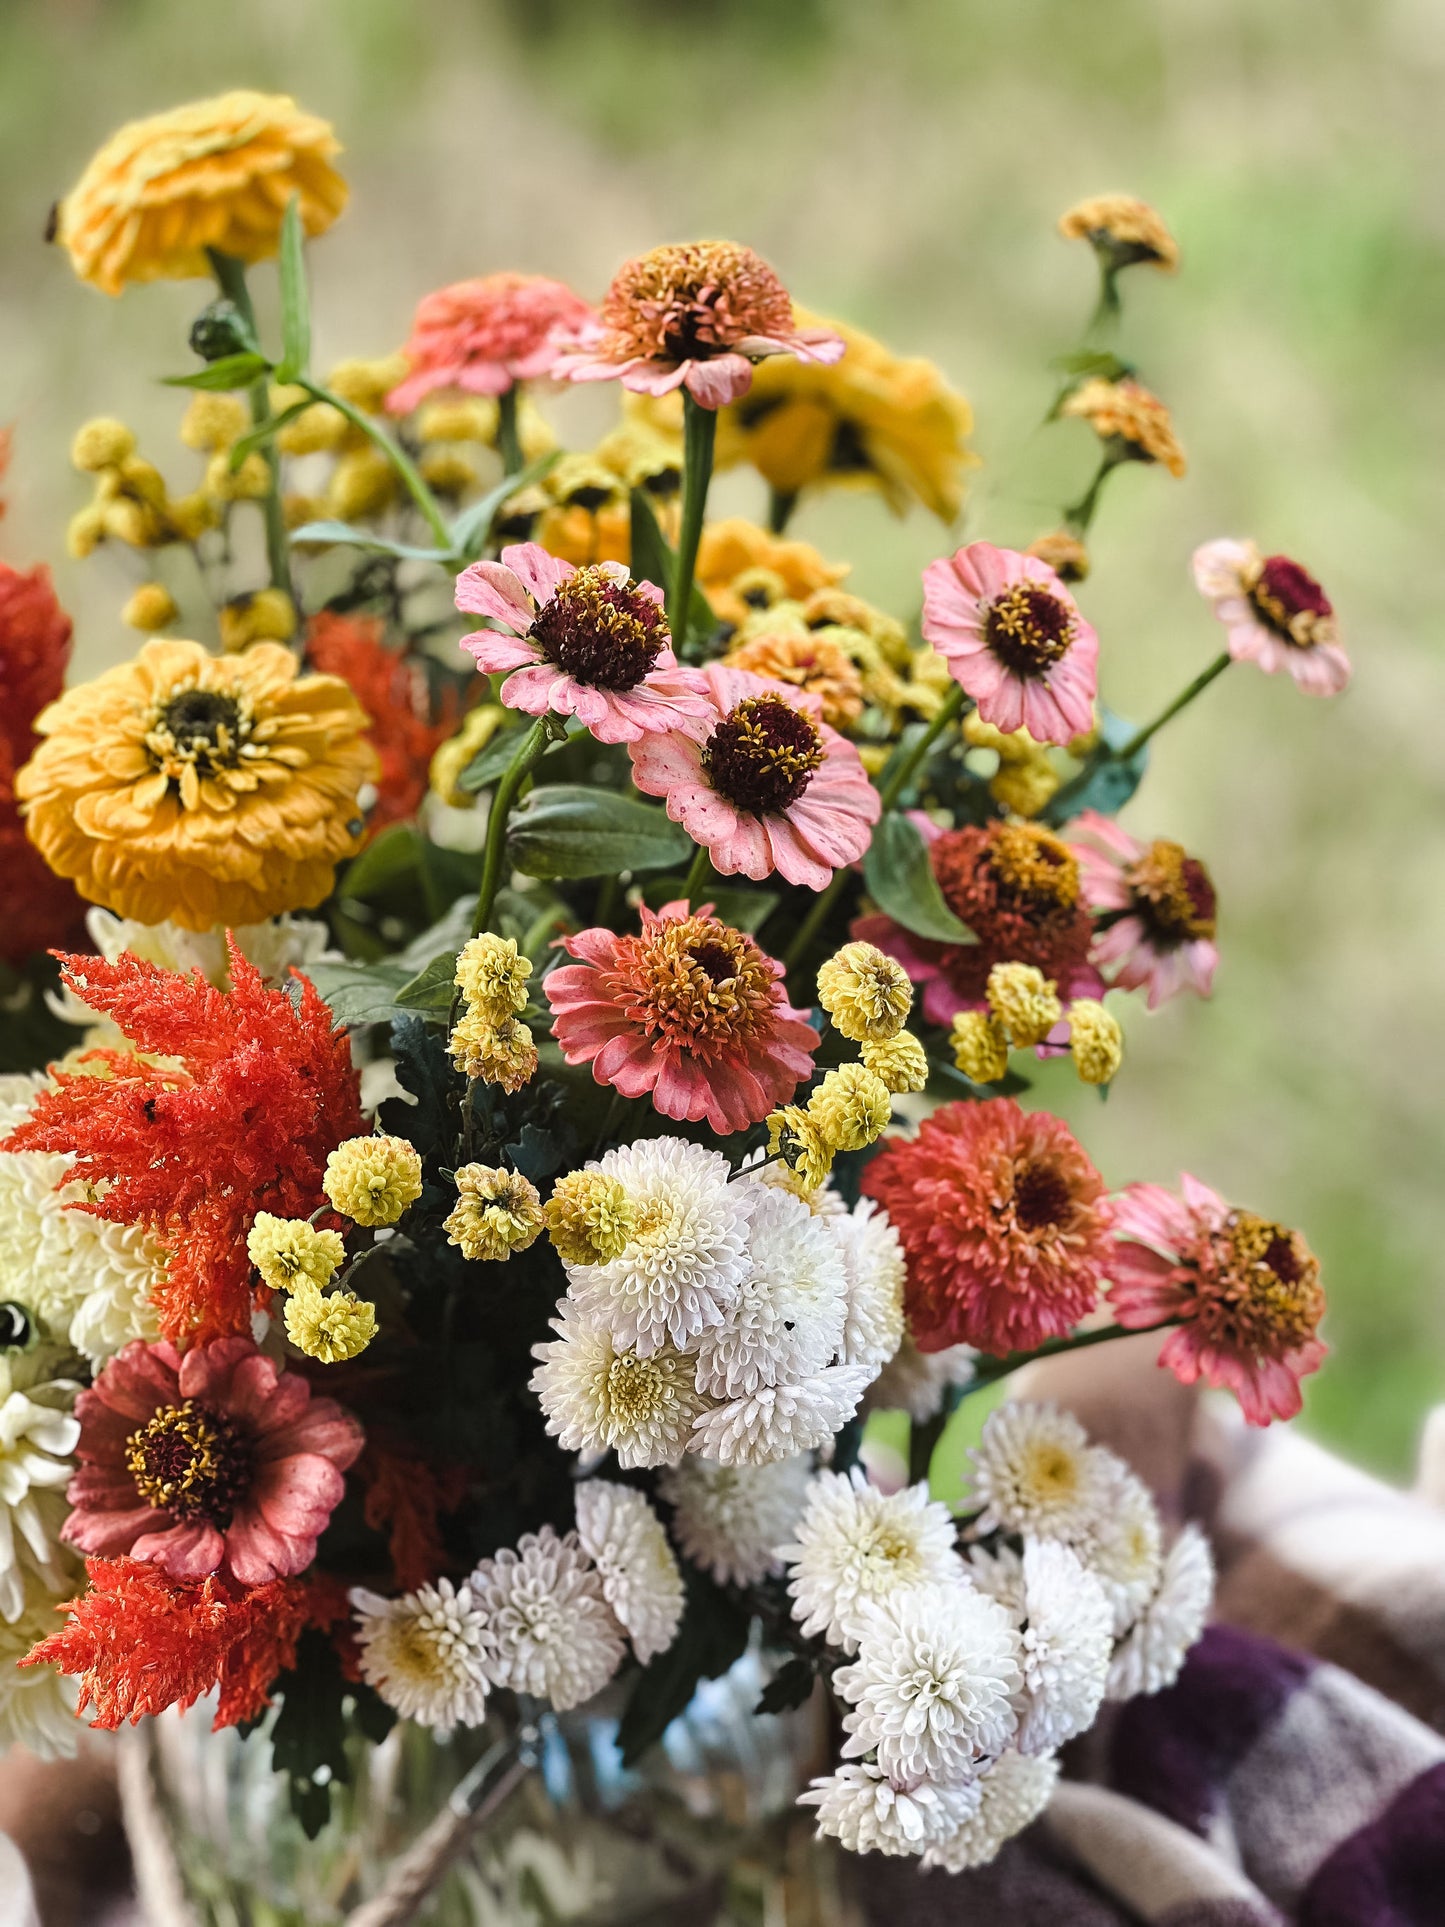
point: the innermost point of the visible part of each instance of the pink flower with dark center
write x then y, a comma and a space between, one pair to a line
770, 786
1155, 906
697, 316
1275, 614
220, 1461
1014, 639
589, 643
1244, 1292
691, 1012
484, 336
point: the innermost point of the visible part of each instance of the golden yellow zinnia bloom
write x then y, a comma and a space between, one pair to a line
206, 789
1122, 230
216, 174
742, 569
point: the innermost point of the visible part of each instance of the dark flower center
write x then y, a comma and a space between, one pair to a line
206, 727
1291, 602
1173, 894
1028, 628
192, 1462
762, 755
714, 961
1265, 1297
604, 633
1041, 1197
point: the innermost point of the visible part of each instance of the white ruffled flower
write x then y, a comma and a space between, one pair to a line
786, 1321
875, 1270
1150, 1657
37, 1703
129, 1267
550, 1629
933, 1686
867, 1812
730, 1519
1067, 1637
915, 1382
1034, 1471
1012, 1794
680, 1273
425, 1653
37, 1436
823, 1200
999, 1573
625, 1540
598, 1396
1124, 1545
779, 1421
854, 1545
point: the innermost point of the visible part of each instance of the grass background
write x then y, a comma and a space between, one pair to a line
903, 167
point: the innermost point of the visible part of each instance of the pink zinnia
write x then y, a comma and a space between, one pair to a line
1156, 909
484, 336
695, 316
216, 1462
769, 787
1244, 1293
1274, 613
1014, 639
691, 1012
589, 643
1004, 1221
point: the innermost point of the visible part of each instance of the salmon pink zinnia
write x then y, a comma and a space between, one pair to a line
1274, 613
1155, 906
486, 335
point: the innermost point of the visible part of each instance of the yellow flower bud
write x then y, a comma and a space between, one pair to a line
362, 483
794, 1135
865, 992
447, 471
899, 1063
85, 532
330, 1329
142, 480
589, 1218
492, 976
291, 1254
1024, 787
192, 515
980, 1046
152, 607
127, 520
317, 430
496, 1053
473, 419
250, 482
851, 1107
1065, 554
1095, 1041
213, 421
265, 615
1024, 1001
478, 728
497, 1212
372, 1180
101, 443
366, 383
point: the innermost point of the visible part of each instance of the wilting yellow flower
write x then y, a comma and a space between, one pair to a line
372, 1180
496, 1213
798, 1138
1025, 1002
216, 174
101, 443
900, 1063
290, 1252
1064, 553
205, 789
493, 977
496, 1053
866, 992
331, 1328
264, 615
1127, 415
151, 607
479, 726
590, 1219
979, 1045
1122, 231
1096, 1041
741, 569
851, 1108
212, 422
871, 419
790, 652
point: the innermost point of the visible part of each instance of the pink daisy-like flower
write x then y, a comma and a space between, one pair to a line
589, 643
1245, 1293
1156, 909
1014, 639
220, 1461
696, 316
1274, 613
770, 786
484, 336
691, 1012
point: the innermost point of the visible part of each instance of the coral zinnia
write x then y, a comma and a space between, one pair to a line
589, 643
219, 1461
198, 788
215, 174
1004, 1222
484, 336
1245, 1294
1014, 639
37, 908
1274, 613
1156, 906
697, 316
406, 727
691, 1012
1017, 887
772, 786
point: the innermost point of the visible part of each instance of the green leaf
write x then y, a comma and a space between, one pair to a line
652, 557
713, 1634
231, 371
1103, 786
360, 993
395, 853
570, 830
473, 526
489, 765
309, 1736
790, 1686
295, 302
258, 437
901, 882
342, 535
432, 988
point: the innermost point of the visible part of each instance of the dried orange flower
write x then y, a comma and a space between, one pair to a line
1126, 413
1122, 231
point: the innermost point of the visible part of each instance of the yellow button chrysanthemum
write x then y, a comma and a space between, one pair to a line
291, 1253
980, 1046
1096, 1041
372, 1180
589, 1218
496, 1213
851, 1108
329, 1329
1024, 1001
900, 1063
493, 977
866, 992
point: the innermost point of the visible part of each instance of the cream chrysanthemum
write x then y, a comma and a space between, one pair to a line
1034, 1471
37, 1437
1067, 1637
730, 1519
37, 1703
1150, 1656
599, 1396
1012, 1794
786, 1321
874, 1268
855, 1545
866, 1812
999, 1571
625, 1540
291, 1252
779, 1421
916, 1382
679, 1273
1123, 1546
550, 1629
425, 1653
822, 1199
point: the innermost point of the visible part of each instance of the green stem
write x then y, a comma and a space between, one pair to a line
1182, 701
405, 467
1082, 513
699, 432
988, 1371
517, 771
808, 928
697, 873
780, 509
231, 280
1108, 308
509, 442
949, 708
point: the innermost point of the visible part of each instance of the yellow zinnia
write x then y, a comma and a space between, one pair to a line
216, 174
206, 789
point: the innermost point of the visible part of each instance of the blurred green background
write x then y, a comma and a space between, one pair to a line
903, 167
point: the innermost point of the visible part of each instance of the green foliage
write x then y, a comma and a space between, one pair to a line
713, 1634
360, 993
901, 882
569, 830
790, 1686
489, 765
1106, 782
230, 372
653, 561
329, 534
295, 301
310, 1731
471, 529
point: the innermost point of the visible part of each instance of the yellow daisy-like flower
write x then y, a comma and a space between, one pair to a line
866, 992
1096, 1041
980, 1046
332, 1328
216, 174
1126, 414
372, 1180
900, 1063
590, 1219
851, 1108
742, 569
496, 1213
1122, 230
1025, 1002
290, 1253
207, 790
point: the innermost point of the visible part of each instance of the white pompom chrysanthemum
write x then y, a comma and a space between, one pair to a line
855, 1544
37, 1703
37, 1436
425, 1653
915, 1382
127, 1265
1124, 1545
875, 1271
932, 1689
1034, 1471
786, 1321
998, 1571
625, 1540
867, 1812
730, 1519
599, 1396
779, 1421
1149, 1658
550, 1630
680, 1271
1067, 1638
1012, 1794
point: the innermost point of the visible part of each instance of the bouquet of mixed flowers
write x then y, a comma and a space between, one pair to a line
474, 1294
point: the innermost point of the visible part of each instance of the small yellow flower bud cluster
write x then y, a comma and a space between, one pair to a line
489, 1040
1025, 779
496, 1213
1025, 1002
372, 1180
292, 1256
590, 1218
151, 609
1096, 1041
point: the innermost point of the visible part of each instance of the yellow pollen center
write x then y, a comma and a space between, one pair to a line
636, 1389
1032, 862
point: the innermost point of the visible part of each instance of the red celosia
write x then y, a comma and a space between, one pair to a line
264, 1093
407, 726
404, 1498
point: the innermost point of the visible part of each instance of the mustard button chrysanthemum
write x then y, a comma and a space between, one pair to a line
866, 992
151, 607
501, 1053
207, 790
290, 1254
899, 1063
980, 1046
795, 1136
372, 1180
1096, 1041
589, 1218
851, 1108
1024, 1001
493, 977
215, 174
496, 1213
329, 1329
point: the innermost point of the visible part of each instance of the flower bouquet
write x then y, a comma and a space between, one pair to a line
464, 1305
